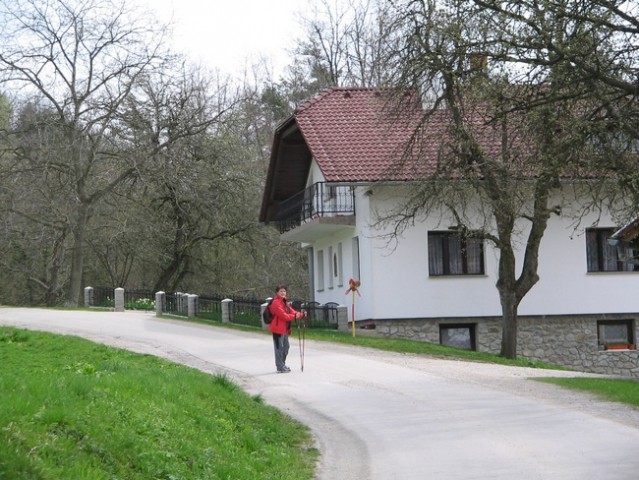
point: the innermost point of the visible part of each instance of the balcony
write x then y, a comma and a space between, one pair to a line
319, 210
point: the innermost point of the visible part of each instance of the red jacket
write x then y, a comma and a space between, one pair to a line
283, 315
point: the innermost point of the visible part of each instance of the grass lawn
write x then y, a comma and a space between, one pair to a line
622, 391
73, 409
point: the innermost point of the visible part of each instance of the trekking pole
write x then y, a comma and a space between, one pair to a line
303, 341
301, 346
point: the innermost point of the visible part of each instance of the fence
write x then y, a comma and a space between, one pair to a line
238, 310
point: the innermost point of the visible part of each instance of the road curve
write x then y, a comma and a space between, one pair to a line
380, 416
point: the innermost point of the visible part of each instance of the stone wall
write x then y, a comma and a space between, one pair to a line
568, 340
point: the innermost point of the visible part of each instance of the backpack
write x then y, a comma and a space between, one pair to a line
267, 316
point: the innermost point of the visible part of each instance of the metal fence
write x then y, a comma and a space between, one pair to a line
174, 303
103, 297
209, 308
246, 311
318, 315
133, 299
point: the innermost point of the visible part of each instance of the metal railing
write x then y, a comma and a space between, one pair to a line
319, 200
246, 311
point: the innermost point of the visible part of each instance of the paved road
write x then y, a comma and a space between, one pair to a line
381, 416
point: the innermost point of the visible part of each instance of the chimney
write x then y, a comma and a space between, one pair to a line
478, 63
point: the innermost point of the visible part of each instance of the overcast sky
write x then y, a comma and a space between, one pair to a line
231, 34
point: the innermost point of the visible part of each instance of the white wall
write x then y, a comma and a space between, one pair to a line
565, 286
335, 293
402, 287
396, 283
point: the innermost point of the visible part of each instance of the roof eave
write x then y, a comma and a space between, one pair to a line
282, 128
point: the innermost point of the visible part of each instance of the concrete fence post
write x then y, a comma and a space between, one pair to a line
192, 305
119, 299
227, 310
160, 298
88, 296
342, 318
178, 302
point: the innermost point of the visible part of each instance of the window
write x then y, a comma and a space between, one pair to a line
460, 336
340, 266
310, 255
355, 257
331, 268
320, 270
615, 334
602, 257
450, 253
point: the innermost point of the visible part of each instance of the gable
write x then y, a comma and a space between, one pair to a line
288, 169
352, 136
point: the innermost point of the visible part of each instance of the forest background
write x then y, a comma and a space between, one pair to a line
122, 163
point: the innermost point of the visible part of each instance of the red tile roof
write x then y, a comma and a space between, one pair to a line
354, 136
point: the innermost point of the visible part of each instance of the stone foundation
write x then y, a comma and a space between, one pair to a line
570, 341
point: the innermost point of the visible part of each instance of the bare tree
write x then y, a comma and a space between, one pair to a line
521, 119
192, 182
347, 44
79, 59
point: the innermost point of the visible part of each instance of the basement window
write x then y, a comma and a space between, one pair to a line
616, 334
458, 335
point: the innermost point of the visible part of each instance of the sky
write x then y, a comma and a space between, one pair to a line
232, 34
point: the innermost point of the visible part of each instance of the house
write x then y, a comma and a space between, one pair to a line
335, 164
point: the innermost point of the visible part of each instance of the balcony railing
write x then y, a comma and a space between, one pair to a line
319, 200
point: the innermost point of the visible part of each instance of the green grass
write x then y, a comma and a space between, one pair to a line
72, 409
616, 390
420, 348
363, 339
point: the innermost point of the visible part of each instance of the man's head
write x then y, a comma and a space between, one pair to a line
281, 290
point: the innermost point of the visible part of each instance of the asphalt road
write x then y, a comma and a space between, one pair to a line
384, 416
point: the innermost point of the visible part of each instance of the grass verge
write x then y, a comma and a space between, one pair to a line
73, 409
616, 390
387, 344
420, 348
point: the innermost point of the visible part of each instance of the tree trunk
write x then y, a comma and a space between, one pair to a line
170, 275
506, 286
77, 257
52, 294
509, 325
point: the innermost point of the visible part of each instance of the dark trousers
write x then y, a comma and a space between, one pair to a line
281, 345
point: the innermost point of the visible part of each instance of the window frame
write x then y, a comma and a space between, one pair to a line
320, 271
600, 255
472, 333
446, 240
627, 343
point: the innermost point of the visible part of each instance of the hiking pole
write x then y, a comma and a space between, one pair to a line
303, 340
299, 339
